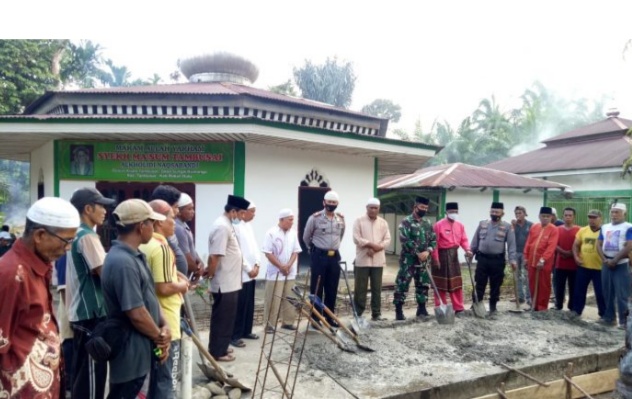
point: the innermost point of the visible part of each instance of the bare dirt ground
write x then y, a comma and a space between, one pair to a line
412, 355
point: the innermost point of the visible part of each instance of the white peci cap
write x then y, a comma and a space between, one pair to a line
285, 212
331, 196
54, 212
185, 199
252, 205
373, 201
621, 206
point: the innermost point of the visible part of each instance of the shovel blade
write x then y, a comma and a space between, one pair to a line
210, 373
444, 314
479, 310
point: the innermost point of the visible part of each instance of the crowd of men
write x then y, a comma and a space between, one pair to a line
138, 287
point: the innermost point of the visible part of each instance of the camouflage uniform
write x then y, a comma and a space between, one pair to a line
415, 236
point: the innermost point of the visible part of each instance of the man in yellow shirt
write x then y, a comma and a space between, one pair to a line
169, 289
589, 262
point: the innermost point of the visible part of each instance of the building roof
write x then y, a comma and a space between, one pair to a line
590, 154
603, 144
201, 88
459, 175
22, 134
609, 126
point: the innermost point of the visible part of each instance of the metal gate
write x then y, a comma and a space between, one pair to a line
584, 204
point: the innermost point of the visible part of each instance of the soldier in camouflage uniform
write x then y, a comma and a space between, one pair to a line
418, 241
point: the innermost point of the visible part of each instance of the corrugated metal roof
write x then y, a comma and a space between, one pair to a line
463, 175
202, 88
592, 154
605, 127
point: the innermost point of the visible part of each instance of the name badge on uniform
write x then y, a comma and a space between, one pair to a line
331, 253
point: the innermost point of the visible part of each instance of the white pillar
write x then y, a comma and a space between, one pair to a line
187, 367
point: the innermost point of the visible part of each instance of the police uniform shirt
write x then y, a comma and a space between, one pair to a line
490, 239
323, 232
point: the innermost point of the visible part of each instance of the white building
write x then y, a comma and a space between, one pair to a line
209, 139
589, 159
474, 188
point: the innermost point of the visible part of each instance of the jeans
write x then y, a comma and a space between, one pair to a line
164, 377
583, 278
616, 289
523, 279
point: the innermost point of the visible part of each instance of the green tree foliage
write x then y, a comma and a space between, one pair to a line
286, 88
492, 133
26, 72
383, 108
332, 82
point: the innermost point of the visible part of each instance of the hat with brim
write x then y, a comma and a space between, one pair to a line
89, 196
134, 211
595, 212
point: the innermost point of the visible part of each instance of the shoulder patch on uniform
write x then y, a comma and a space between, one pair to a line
318, 213
340, 215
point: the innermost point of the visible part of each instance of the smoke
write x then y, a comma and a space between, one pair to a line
16, 176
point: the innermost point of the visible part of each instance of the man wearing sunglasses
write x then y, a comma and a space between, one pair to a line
86, 306
30, 350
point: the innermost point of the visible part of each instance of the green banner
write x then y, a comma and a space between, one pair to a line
145, 161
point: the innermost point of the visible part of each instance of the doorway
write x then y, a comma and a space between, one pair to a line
310, 200
121, 191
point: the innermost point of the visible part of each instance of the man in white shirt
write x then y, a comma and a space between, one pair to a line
246, 301
224, 269
281, 247
614, 245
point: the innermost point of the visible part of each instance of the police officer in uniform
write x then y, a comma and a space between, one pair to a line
491, 242
418, 240
322, 235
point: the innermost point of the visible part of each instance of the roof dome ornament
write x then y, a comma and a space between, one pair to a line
612, 112
219, 67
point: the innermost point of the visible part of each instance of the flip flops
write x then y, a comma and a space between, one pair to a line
251, 336
238, 343
226, 358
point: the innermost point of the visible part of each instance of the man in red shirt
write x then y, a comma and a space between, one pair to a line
565, 266
539, 254
30, 349
446, 269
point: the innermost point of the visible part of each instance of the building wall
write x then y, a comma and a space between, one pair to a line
209, 205
42, 163
273, 176
67, 187
474, 206
594, 181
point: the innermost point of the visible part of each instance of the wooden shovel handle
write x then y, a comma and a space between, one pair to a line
337, 320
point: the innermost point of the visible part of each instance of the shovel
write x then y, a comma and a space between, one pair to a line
444, 313
477, 307
360, 322
320, 305
339, 341
218, 372
517, 309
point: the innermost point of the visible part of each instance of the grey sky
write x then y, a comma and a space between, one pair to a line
435, 60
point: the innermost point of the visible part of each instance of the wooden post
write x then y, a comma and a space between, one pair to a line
568, 375
501, 391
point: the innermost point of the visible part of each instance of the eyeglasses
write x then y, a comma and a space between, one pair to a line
66, 241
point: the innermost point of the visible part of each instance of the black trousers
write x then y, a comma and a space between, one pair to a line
561, 278
245, 311
126, 390
328, 269
492, 270
222, 322
88, 379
